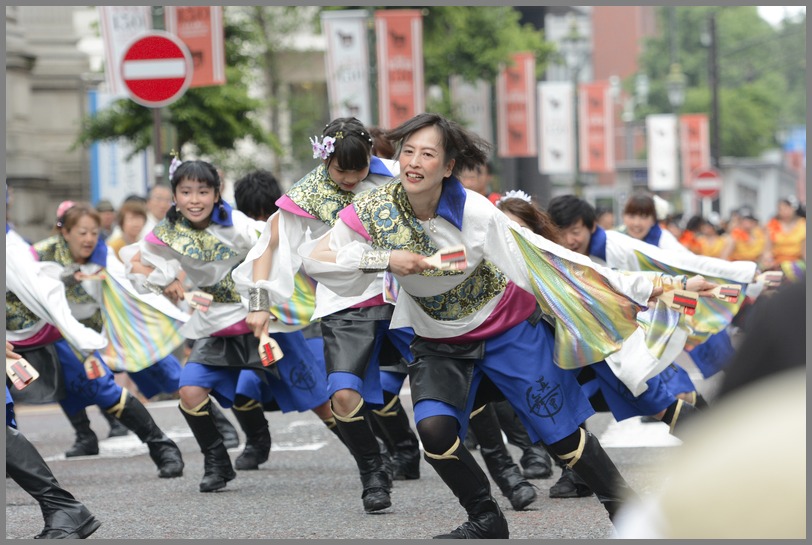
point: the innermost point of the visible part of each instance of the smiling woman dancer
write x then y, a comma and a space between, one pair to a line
480, 320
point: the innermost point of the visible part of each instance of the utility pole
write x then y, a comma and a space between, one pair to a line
713, 81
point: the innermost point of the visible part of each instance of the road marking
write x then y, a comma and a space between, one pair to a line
633, 433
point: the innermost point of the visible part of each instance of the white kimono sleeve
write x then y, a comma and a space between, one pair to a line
502, 250
285, 259
344, 276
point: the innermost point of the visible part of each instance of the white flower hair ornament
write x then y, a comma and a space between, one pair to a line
173, 166
516, 194
324, 148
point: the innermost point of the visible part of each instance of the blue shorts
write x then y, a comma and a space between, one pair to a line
677, 380
713, 355
392, 382
303, 384
548, 400
370, 386
623, 403
80, 391
10, 410
161, 376
222, 381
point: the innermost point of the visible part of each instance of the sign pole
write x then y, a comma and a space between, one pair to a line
157, 144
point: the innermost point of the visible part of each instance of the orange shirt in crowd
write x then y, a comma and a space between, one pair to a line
748, 246
787, 245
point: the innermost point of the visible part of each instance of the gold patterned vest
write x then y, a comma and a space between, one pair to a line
320, 196
201, 245
56, 249
387, 215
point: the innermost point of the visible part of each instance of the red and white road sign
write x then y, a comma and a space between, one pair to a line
156, 69
707, 183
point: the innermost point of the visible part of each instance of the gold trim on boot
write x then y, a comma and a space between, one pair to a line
571, 458
447, 454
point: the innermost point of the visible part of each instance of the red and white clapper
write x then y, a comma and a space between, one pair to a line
681, 300
269, 350
20, 372
452, 258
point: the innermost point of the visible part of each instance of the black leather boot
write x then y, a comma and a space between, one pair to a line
217, 469
497, 459
117, 429
569, 485
87, 444
470, 485
231, 439
65, 517
396, 431
363, 445
677, 415
251, 418
163, 450
599, 473
535, 460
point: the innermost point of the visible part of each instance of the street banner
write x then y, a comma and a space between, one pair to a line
516, 107
201, 29
114, 175
694, 146
401, 90
596, 127
347, 64
472, 104
556, 122
661, 132
119, 26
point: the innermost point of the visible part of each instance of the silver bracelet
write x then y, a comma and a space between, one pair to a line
375, 261
154, 288
258, 299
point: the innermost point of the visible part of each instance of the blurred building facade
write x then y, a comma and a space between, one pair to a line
52, 60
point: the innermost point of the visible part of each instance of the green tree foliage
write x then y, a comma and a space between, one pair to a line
761, 73
210, 118
475, 43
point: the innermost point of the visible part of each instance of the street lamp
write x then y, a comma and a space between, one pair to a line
675, 84
572, 45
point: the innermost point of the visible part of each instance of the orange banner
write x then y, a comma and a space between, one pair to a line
595, 128
516, 107
694, 146
401, 93
201, 29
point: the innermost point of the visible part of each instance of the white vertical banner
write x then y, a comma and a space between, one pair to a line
119, 26
348, 64
556, 127
114, 175
472, 103
661, 132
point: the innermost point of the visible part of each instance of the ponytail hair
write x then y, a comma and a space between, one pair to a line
353, 143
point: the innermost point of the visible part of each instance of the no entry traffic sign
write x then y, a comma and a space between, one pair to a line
707, 183
156, 69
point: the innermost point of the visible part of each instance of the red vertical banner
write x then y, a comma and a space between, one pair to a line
596, 128
516, 107
201, 29
694, 146
401, 92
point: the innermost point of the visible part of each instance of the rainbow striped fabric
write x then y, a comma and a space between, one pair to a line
139, 334
592, 319
299, 309
712, 315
